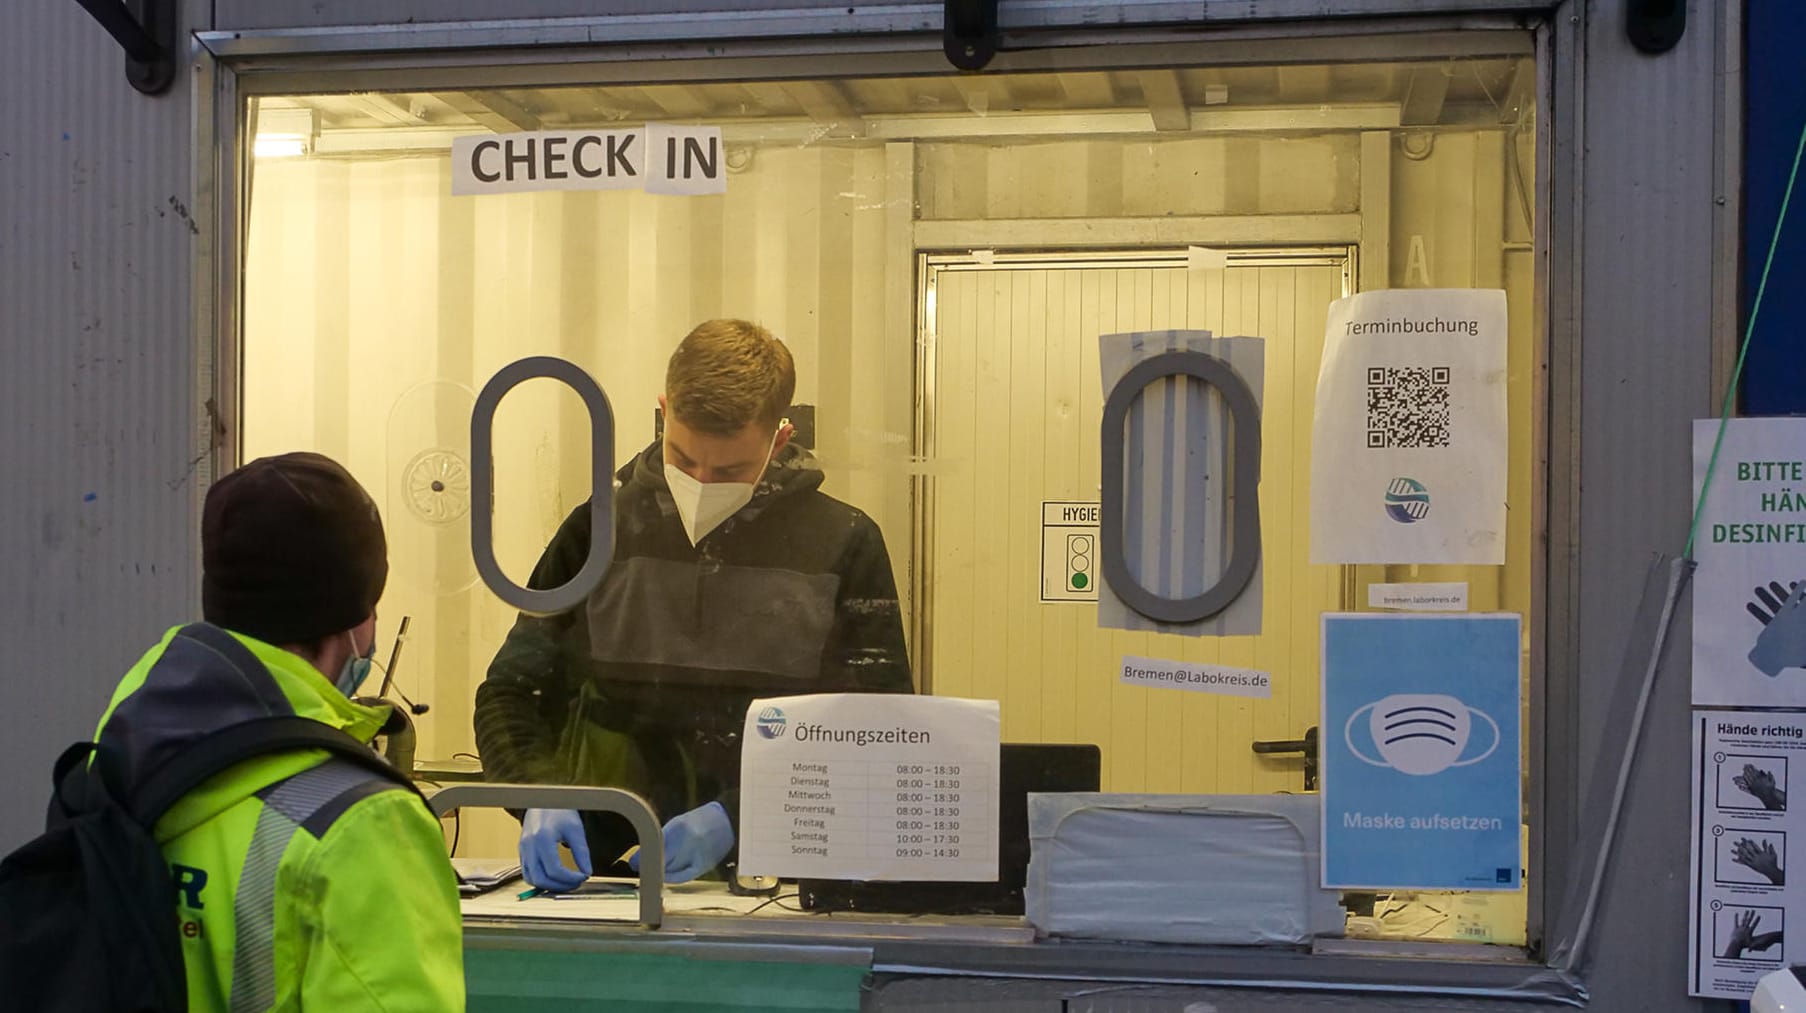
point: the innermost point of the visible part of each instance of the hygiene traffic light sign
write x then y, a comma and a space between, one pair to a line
1069, 547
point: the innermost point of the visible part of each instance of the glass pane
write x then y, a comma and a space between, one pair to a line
940, 256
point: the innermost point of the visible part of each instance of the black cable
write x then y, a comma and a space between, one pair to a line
417, 709
767, 903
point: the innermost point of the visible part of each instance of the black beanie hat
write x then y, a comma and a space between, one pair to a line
292, 550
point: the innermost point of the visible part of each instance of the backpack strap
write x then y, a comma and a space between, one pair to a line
71, 794
229, 747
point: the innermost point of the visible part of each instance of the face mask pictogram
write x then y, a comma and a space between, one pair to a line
1419, 733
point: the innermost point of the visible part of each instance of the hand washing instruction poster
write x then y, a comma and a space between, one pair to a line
870, 786
1420, 755
1745, 838
1749, 593
1410, 438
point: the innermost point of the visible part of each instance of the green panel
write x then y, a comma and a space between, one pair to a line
578, 982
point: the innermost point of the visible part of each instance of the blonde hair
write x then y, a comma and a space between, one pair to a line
727, 374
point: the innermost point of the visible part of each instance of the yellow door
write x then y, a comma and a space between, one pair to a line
1011, 405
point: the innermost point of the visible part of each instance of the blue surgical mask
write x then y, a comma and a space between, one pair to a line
357, 667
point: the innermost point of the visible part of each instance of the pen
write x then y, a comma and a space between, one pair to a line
528, 894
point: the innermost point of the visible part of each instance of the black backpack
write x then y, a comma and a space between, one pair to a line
88, 917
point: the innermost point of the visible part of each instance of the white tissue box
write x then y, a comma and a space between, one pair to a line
1215, 869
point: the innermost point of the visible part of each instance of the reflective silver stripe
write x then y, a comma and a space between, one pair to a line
301, 796
287, 805
254, 913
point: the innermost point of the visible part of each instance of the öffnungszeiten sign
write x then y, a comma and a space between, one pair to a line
870, 786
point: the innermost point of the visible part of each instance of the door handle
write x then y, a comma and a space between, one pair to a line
1306, 746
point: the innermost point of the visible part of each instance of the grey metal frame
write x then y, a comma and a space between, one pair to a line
219, 159
1727, 182
231, 67
1554, 746
1018, 22
602, 800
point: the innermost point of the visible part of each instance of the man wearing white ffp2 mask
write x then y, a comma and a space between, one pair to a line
704, 503
734, 577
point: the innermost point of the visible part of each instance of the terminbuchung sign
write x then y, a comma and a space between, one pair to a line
655, 158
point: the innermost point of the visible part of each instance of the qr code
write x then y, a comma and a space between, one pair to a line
1407, 407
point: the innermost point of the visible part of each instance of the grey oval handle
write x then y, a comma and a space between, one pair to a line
1244, 550
601, 500
600, 800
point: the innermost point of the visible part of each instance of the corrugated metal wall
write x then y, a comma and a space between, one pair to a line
97, 398
1645, 346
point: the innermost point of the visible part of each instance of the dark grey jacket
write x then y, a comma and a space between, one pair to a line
792, 594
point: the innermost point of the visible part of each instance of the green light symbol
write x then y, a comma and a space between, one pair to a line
1078, 561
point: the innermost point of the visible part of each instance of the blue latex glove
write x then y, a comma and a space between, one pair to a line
695, 842
540, 834
1782, 643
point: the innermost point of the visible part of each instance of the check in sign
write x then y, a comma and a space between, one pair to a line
1420, 751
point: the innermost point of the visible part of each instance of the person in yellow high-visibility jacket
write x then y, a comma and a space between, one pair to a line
303, 881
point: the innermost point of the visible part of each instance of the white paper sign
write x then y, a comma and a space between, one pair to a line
1745, 893
657, 158
685, 160
1409, 445
1204, 258
1199, 678
1749, 643
548, 160
870, 786
1443, 597
1069, 561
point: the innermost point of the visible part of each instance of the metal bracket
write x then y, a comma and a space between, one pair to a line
969, 32
146, 30
599, 800
1655, 26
